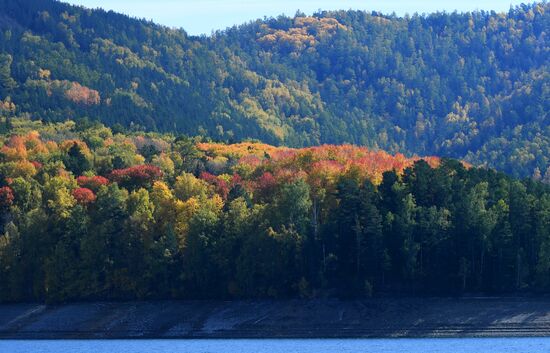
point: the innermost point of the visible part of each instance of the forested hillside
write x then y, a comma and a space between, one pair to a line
473, 86
91, 214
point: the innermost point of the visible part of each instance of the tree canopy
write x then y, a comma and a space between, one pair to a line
85, 215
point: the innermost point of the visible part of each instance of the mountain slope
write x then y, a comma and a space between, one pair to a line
472, 86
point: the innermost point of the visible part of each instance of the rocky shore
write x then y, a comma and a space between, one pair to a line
331, 318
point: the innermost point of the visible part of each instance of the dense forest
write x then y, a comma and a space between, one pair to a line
473, 86
89, 213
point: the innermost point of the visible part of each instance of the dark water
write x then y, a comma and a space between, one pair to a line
462, 345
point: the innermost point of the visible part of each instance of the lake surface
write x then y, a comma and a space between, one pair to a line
462, 345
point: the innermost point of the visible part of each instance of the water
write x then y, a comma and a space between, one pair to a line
460, 345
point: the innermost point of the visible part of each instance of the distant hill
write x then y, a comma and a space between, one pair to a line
473, 86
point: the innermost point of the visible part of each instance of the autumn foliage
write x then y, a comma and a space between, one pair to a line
312, 162
84, 196
6, 196
305, 32
136, 176
92, 183
220, 185
82, 94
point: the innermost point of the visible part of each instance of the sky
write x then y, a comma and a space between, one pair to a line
203, 16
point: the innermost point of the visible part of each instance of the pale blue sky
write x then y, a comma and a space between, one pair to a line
203, 16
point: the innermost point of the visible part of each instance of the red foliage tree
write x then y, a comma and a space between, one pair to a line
37, 165
84, 196
220, 186
236, 180
137, 176
265, 185
6, 197
92, 183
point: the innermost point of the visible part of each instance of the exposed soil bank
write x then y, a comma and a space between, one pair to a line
433, 317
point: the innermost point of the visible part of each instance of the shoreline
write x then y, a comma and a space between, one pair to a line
257, 319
